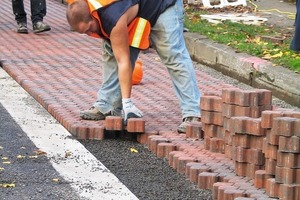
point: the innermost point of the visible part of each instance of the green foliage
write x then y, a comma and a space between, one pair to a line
245, 38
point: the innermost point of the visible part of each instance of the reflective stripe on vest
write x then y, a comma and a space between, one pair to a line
141, 24
138, 33
95, 4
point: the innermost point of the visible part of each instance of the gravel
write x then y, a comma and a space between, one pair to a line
147, 176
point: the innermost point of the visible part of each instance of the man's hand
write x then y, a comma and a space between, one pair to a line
130, 111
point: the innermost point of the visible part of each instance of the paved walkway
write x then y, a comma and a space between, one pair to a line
61, 69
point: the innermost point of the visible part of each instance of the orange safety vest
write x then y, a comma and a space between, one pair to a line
138, 30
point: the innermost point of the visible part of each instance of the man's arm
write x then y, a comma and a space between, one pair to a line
120, 46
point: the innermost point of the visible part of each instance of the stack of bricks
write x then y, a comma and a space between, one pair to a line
247, 139
285, 141
242, 123
212, 123
241, 127
243, 103
270, 148
217, 111
244, 138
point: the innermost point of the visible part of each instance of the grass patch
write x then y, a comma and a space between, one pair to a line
245, 38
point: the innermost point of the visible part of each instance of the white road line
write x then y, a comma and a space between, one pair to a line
89, 177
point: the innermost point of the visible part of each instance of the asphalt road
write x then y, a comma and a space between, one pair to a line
25, 172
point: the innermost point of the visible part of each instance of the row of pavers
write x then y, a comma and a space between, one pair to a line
243, 148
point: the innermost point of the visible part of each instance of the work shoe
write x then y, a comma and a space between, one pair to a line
93, 114
40, 27
182, 127
22, 28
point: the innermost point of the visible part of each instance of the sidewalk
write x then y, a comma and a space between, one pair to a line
61, 69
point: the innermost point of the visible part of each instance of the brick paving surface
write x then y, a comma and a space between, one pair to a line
62, 70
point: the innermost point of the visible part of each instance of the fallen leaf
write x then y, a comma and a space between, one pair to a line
5, 160
20, 156
267, 56
39, 152
33, 156
68, 154
278, 55
133, 150
7, 185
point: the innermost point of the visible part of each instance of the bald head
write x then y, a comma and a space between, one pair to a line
77, 12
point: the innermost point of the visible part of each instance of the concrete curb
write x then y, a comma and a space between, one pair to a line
250, 70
